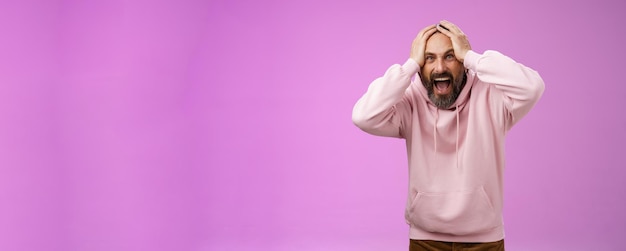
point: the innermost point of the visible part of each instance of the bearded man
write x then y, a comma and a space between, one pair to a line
454, 107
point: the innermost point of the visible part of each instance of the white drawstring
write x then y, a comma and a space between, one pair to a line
435, 130
457, 136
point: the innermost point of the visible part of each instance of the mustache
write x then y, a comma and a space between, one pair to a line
440, 75
429, 81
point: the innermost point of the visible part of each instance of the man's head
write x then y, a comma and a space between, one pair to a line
442, 74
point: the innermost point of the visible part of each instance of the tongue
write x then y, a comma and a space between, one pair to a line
442, 85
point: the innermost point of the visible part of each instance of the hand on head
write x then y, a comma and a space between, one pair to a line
419, 44
460, 44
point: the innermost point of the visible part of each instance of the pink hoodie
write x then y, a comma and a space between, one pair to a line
456, 156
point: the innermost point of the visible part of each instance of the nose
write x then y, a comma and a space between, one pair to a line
440, 66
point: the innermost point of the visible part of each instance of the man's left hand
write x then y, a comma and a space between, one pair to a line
460, 44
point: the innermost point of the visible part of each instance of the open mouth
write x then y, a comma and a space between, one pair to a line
442, 84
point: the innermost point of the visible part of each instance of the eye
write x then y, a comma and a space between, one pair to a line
429, 58
449, 57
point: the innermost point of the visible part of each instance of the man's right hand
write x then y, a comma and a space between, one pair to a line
419, 44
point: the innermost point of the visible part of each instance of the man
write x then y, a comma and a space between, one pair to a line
453, 107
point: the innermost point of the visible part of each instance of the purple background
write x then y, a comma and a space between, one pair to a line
226, 125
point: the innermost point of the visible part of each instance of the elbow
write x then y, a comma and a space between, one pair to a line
534, 87
359, 120
363, 120
359, 117
536, 90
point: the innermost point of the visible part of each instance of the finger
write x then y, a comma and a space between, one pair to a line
445, 30
428, 34
425, 30
440, 27
451, 27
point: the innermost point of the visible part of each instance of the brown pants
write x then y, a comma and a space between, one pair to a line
427, 245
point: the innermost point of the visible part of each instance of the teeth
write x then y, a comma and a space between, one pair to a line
442, 79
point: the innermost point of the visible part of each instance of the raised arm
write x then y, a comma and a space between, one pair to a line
384, 108
521, 86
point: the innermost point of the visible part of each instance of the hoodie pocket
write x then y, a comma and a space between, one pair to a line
457, 213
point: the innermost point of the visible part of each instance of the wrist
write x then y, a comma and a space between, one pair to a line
462, 55
411, 66
471, 59
414, 59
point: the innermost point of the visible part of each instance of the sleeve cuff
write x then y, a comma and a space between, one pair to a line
471, 60
411, 66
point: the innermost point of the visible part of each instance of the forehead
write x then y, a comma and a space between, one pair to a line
438, 43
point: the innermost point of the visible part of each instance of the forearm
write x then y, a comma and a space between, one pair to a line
521, 85
380, 109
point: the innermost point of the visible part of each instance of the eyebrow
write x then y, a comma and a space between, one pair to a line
445, 53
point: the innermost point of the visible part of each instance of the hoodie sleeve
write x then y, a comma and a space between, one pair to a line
521, 86
384, 108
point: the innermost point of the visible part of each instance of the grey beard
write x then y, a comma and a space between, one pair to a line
447, 101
